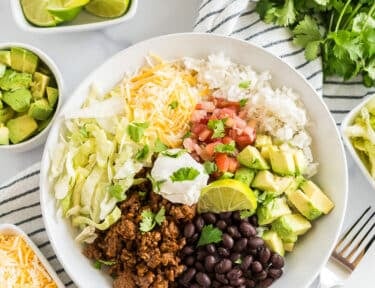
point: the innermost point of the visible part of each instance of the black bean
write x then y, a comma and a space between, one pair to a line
265, 283
277, 261
199, 266
256, 267
201, 254
247, 229
199, 223
189, 230
254, 220
264, 255
242, 286
216, 284
203, 279
221, 224
237, 282
240, 245
188, 275
209, 263
209, 218
227, 241
223, 266
210, 248
225, 215
246, 262
193, 239
189, 261
250, 283
235, 256
255, 242
223, 252
233, 231
275, 273
236, 215
235, 273
261, 275
253, 252
221, 278
188, 250
194, 286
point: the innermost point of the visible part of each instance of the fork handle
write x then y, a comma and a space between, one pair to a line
329, 279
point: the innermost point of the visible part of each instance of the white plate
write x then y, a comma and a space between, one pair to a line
312, 251
84, 21
9, 229
349, 119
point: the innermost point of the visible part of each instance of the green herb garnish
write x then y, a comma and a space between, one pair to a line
149, 219
210, 167
136, 130
173, 105
244, 84
243, 102
117, 191
184, 174
218, 127
142, 153
226, 148
210, 235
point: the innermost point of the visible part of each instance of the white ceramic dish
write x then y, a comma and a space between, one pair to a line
9, 229
41, 137
312, 251
349, 119
84, 21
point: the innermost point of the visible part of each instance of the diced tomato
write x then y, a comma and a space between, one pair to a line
197, 128
198, 115
205, 105
227, 139
210, 148
188, 144
233, 165
244, 140
222, 162
205, 134
223, 103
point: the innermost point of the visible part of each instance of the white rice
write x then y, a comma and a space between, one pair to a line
280, 112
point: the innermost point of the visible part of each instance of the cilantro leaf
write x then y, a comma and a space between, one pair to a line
136, 130
142, 154
218, 127
346, 43
286, 14
187, 135
117, 191
226, 148
244, 84
238, 261
312, 50
97, 265
149, 219
160, 216
370, 69
226, 175
265, 9
173, 105
173, 154
243, 102
184, 174
155, 183
159, 146
209, 167
246, 213
209, 235
306, 31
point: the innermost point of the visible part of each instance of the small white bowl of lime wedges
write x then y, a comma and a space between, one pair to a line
51, 16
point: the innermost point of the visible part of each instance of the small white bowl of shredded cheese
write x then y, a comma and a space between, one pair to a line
21, 262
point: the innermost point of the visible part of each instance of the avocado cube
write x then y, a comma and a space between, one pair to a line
5, 57
272, 210
263, 140
273, 242
303, 204
265, 152
38, 87
4, 135
52, 95
21, 128
266, 181
299, 161
23, 60
40, 110
289, 246
317, 197
13, 80
18, 100
282, 162
251, 158
43, 124
6, 114
245, 175
290, 224
3, 68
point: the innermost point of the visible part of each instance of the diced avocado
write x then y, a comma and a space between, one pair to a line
317, 197
43, 124
282, 162
6, 114
40, 110
21, 128
23, 60
272, 210
5, 58
3, 68
1, 104
265, 152
266, 181
13, 80
288, 246
263, 140
18, 100
290, 224
52, 95
274, 242
303, 204
244, 175
39, 84
299, 161
250, 157
4, 135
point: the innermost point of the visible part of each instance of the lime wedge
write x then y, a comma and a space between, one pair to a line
226, 195
36, 13
66, 10
108, 8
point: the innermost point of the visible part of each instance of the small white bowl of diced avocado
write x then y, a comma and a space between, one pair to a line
30, 89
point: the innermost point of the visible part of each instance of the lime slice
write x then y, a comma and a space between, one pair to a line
226, 195
66, 10
107, 8
36, 13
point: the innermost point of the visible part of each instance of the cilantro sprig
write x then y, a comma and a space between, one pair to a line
149, 219
218, 127
184, 174
210, 235
226, 148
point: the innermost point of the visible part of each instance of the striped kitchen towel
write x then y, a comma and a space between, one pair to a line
19, 205
239, 19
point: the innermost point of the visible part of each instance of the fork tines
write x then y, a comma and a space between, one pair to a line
354, 244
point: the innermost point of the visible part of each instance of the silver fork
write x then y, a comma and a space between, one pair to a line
349, 250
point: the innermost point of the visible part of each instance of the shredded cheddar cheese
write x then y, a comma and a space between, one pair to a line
20, 267
164, 95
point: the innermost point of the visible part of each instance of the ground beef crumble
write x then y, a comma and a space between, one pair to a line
148, 259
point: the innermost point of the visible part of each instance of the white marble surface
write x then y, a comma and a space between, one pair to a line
79, 53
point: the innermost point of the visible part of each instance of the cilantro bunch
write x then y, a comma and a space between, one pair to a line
341, 31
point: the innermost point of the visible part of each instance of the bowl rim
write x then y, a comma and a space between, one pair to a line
60, 85
348, 120
11, 229
45, 157
22, 22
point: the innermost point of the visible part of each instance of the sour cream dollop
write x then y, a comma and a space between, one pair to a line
185, 191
